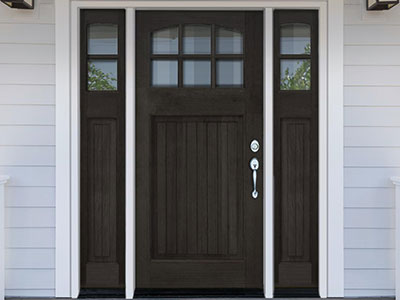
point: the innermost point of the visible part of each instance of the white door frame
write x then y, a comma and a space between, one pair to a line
331, 264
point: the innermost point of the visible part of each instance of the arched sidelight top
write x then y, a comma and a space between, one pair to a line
165, 41
295, 38
102, 39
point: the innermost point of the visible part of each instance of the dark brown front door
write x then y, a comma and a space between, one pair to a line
102, 99
199, 82
296, 152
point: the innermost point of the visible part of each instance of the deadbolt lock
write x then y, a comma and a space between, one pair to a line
254, 146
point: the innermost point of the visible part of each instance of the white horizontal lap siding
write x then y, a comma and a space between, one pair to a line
27, 147
372, 147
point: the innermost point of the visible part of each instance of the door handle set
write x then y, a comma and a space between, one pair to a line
254, 165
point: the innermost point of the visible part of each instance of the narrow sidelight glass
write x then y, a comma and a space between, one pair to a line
102, 75
103, 39
295, 38
295, 74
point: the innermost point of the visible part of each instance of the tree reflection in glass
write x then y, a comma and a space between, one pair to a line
102, 76
296, 73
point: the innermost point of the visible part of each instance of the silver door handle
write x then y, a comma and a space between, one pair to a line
254, 165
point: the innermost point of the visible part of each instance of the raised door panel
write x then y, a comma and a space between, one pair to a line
295, 202
197, 204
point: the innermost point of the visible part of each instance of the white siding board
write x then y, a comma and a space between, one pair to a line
369, 177
27, 135
369, 218
30, 176
370, 157
30, 237
27, 54
371, 96
372, 279
372, 75
30, 217
372, 116
372, 136
30, 258
27, 115
372, 55
371, 34
369, 197
29, 279
30, 196
30, 293
357, 14
27, 147
27, 33
27, 74
369, 258
43, 13
369, 293
27, 94
27, 155
369, 238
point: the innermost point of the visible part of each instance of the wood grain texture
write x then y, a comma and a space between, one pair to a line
103, 168
188, 222
296, 166
197, 225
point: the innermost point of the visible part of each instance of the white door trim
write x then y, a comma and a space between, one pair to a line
331, 265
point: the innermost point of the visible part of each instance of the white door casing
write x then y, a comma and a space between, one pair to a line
331, 264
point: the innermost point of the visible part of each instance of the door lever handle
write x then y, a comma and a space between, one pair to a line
254, 165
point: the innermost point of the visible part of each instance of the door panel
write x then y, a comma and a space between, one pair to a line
296, 150
197, 205
102, 149
197, 225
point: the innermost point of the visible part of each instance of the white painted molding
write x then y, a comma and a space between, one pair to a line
335, 150
331, 136
268, 153
130, 106
3, 181
63, 150
396, 182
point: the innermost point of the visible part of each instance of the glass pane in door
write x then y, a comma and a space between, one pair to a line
102, 39
165, 73
197, 39
165, 41
229, 41
229, 73
102, 75
295, 74
295, 38
197, 73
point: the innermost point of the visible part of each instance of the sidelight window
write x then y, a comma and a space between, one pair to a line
197, 55
295, 56
102, 57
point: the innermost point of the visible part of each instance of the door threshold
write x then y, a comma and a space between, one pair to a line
101, 293
296, 293
199, 293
